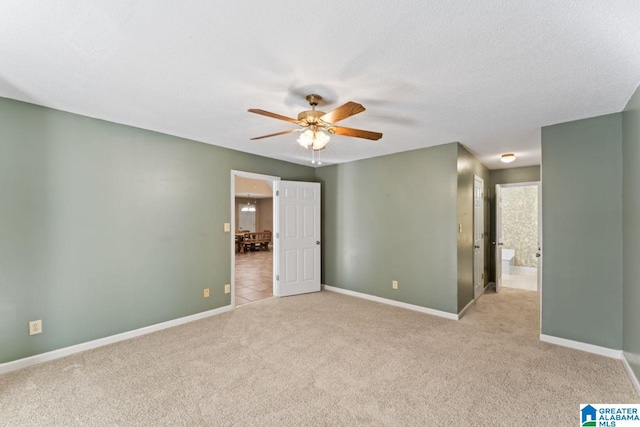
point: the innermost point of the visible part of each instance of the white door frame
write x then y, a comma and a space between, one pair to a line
478, 222
497, 250
234, 174
540, 246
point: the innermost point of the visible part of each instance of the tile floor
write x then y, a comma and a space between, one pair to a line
254, 276
521, 278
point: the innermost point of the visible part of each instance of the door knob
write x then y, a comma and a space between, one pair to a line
477, 247
317, 242
538, 255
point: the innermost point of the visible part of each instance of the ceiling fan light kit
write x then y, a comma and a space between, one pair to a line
313, 138
316, 125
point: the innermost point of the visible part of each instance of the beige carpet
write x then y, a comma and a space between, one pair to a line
325, 359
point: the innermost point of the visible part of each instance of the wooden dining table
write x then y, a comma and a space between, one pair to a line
256, 239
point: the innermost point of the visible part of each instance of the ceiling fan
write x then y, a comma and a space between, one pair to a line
316, 125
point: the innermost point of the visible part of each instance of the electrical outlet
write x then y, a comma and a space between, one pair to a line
227, 227
227, 288
394, 284
206, 293
35, 327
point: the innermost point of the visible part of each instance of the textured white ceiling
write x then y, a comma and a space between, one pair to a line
486, 73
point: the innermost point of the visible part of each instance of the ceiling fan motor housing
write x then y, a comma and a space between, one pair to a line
311, 116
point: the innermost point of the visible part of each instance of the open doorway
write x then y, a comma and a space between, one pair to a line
518, 236
252, 224
478, 237
293, 244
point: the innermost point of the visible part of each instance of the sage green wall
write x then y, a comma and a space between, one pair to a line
582, 231
514, 175
505, 176
631, 232
107, 228
392, 218
468, 166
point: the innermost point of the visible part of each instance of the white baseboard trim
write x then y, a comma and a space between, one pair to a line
394, 303
466, 308
577, 345
632, 375
62, 352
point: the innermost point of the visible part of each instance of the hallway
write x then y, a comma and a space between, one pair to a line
254, 276
525, 278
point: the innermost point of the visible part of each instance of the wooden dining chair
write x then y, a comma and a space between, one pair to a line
248, 242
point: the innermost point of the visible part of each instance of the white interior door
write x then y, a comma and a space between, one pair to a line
298, 234
478, 237
498, 241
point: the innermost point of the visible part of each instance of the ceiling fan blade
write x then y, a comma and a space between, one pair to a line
347, 110
366, 134
273, 115
276, 134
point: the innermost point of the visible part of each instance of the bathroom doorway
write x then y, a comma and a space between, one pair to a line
518, 236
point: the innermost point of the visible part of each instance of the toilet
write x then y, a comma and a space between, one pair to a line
507, 260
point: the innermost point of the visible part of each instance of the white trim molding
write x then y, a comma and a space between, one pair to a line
632, 375
595, 349
394, 303
67, 351
577, 345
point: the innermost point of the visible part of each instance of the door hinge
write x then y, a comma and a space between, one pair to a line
277, 277
277, 235
277, 193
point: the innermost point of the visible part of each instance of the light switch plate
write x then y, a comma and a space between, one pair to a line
206, 293
227, 288
394, 284
227, 227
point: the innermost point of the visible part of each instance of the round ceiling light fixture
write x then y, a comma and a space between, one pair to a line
507, 158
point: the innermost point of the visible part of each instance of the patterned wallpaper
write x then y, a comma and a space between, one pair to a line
520, 223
